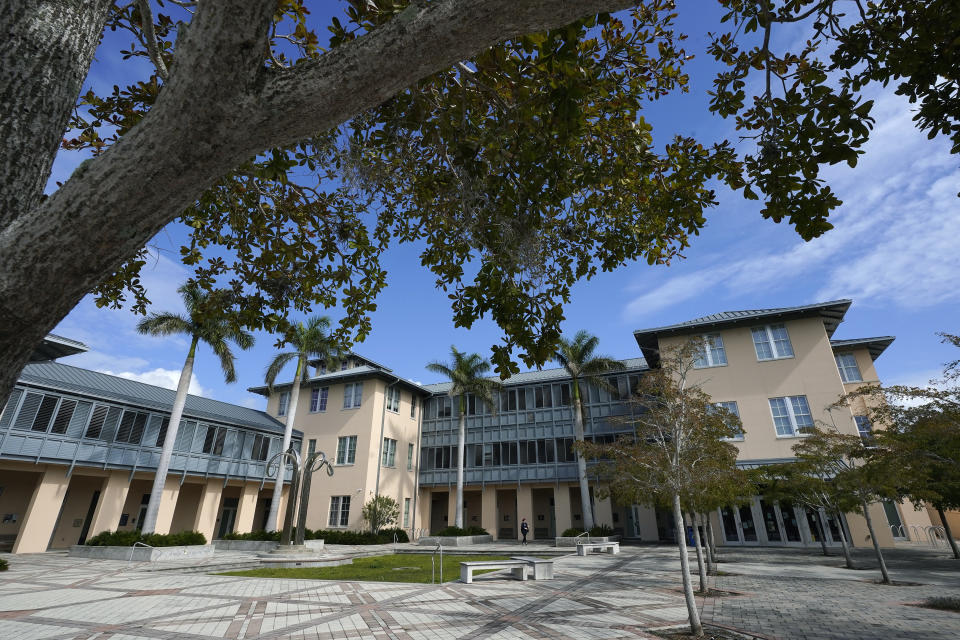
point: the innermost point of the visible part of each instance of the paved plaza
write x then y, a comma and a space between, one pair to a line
776, 594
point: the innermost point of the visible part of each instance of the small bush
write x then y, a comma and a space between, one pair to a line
456, 531
601, 530
129, 538
572, 532
4, 565
329, 536
945, 603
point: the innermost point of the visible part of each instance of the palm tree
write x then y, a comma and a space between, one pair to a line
466, 374
309, 340
215, 332
578, 358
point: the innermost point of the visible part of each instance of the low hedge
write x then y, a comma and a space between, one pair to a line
598, 531
457, 531
4, 565
129, 538
329, 536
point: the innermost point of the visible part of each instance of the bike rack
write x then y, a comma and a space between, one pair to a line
133, 548
433, 567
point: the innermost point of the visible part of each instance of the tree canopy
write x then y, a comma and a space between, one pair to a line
508, 139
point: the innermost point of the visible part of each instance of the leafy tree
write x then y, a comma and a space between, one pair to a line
846, 462
679, 437
517, 140
380, 512
309, 340
199, 326
578, 357
465, 373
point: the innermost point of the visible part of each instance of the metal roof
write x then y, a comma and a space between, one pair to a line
62, 377
875, 346
363, 371
54, 346
831, 312
544, 375
315, 361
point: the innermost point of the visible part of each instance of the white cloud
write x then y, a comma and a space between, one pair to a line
166, 378
893, 241
252, 402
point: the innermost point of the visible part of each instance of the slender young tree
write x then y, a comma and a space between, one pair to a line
308, 340
578, 357
200, 325
465, 372
679, 437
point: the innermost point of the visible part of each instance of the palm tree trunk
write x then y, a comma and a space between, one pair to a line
946, 529
149, 523
876, 545
585, 506
272, 518
695, 627
701, 565
461, 445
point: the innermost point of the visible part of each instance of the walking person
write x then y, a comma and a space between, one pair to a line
524, 529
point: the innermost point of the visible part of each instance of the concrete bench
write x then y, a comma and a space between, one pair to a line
607, 547
542, 568
517, 567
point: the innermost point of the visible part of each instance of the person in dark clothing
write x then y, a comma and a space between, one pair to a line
524, 529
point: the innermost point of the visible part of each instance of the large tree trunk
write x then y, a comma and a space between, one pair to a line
695, 627
821, 533
149, 523
274, 513
843, 541
220, 107
461, 446
946, 529
711, 540
876, 545
701, 565
586, 507
705, 518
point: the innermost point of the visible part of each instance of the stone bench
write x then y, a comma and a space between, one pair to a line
607, 547
517, 567
542, 568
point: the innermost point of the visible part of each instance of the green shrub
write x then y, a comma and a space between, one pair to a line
329, 536
261, 536
456, 531
129, 538
572, 532
4, 565
601, 530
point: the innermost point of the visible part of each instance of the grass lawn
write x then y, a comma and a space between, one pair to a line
389, 568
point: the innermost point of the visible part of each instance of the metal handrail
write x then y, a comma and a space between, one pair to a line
433, 568
585, 533
133, 547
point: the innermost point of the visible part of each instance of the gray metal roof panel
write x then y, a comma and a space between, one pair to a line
875, 346
54, 346
336, 376
543, 375
107, 387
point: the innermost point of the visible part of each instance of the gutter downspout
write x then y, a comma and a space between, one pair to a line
416, 482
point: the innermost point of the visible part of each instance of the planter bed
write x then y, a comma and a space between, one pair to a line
572, 542
260, 545
454, 541
142, 554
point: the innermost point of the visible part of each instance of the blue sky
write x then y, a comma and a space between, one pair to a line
893, 251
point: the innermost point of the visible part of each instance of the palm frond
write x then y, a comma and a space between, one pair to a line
165, 324
276, 365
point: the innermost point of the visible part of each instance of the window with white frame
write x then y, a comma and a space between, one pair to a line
791, 415
731, 406
393, 399
352, 395
413, 406
389, 452
864, 428
339, 511
261, 446
283, 404
409, 456
772, 342
847, 364
406, 512
346, 449
318, 399
711, 352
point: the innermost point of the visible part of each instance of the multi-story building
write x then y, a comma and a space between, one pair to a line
780, 370
78, 452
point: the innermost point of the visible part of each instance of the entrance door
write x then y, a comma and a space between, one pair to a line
142, 514
228, 516
86, 521
893, 519
738, 525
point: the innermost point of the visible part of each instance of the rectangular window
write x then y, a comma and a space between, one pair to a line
261, 446
772, 342
283, 404
410, 456
393, 399
64, 413
214, 439
542, 398
347, 450
352, 395
413, 406
389, 452
444, 407
162, 433
42, 421
339, 511
406, 513
96, 422
318, 399
847, 364
131, 427
508, 453
791, 415
732, 407
864, 428
711, 352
